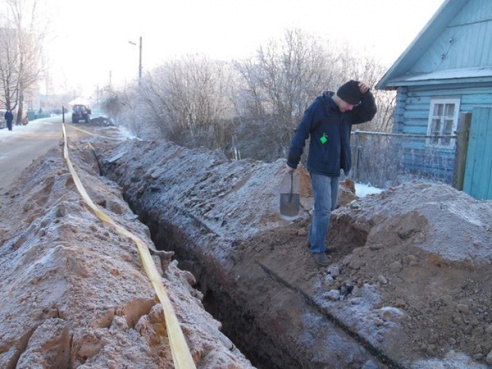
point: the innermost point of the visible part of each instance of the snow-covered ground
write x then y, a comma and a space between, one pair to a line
362, 190
33, 126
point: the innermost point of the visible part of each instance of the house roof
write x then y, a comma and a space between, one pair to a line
398, 75
451, 75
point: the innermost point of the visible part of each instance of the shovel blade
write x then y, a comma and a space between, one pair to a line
289, 204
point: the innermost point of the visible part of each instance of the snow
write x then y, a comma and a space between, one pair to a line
32, 126
454, 73
363, 190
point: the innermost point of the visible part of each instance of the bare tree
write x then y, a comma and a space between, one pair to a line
278, 84
384, 119
24, 39
8, 68
187, 98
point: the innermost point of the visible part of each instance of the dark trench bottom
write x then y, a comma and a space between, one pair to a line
243, 332
238, 325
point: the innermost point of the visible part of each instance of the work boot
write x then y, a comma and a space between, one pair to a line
330, 249
321, 259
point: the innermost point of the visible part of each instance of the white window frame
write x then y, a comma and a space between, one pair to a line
443, 120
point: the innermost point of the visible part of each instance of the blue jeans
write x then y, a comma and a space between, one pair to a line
325, 192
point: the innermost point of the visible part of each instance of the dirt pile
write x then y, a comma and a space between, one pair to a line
74, 294
409, 282
428, 253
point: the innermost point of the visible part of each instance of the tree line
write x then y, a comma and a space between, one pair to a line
247, 108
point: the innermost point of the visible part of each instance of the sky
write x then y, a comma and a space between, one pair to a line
89, 40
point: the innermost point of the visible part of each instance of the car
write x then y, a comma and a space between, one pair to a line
80, 112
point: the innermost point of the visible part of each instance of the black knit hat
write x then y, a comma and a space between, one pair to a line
350, 92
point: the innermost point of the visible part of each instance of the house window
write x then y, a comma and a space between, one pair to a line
443, 122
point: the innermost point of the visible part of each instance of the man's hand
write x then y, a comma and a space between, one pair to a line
363, 88
288, 169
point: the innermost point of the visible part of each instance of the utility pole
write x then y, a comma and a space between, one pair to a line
139, 59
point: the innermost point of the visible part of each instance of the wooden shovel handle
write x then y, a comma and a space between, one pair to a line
291, 185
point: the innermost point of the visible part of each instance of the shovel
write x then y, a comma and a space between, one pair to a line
289, 202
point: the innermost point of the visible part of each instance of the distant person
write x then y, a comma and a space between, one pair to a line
9, 117
328, 123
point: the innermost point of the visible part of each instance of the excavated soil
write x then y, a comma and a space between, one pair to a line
408, 285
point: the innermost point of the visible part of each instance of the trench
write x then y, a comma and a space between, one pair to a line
275, 323
243, 326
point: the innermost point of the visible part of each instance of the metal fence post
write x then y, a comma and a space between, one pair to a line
356, 156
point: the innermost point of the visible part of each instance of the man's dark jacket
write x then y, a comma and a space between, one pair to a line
323, 119
8, 116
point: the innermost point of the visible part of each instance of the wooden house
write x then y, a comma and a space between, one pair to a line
444, 88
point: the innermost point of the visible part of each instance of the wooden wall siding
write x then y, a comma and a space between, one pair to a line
415, 115
465, 43
478, 172
398, 117
475, 11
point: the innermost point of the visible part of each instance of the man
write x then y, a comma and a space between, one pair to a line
9, 117
328, 122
